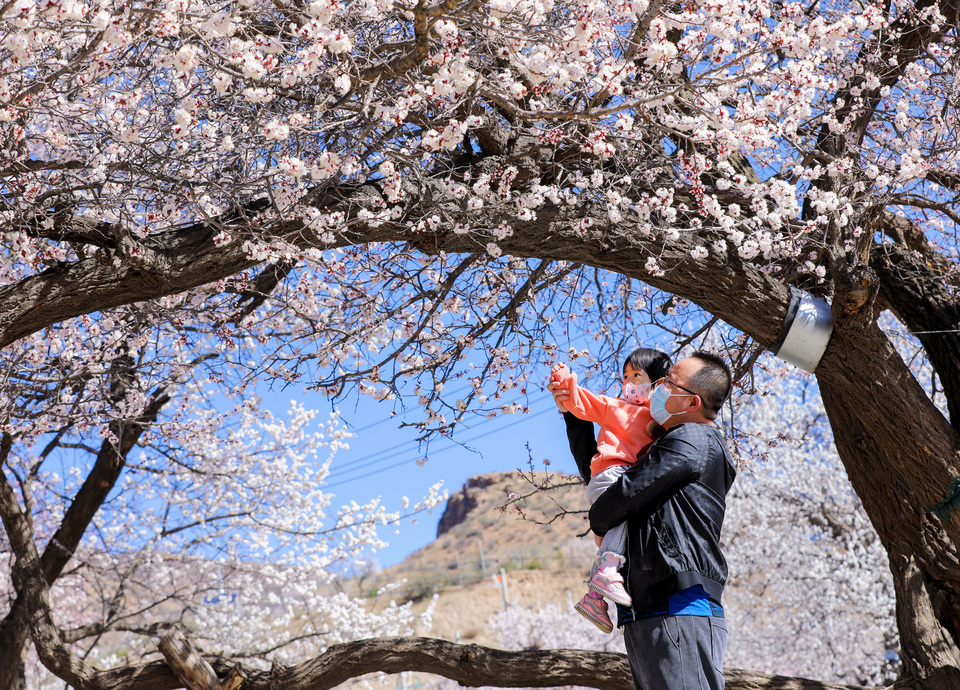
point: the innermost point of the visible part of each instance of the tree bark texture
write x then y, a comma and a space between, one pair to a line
920, 298
925, 573
190, 667
469, 665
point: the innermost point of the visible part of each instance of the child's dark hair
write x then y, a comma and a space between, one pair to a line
657, 364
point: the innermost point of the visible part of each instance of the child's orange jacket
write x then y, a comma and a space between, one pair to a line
625, 428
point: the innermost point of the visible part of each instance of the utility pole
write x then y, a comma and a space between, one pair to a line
483, 561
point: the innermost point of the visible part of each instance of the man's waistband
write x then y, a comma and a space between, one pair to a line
689, 602
712, 610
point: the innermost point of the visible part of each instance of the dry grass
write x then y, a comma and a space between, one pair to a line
461, 613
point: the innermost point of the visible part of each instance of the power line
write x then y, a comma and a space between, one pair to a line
353, 464
355, 468
571, 342
378, 457
387, 419
408, 460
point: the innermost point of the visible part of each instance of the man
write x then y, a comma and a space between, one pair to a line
673, 501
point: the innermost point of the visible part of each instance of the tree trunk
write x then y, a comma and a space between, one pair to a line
15, 626
921, 299
923, 563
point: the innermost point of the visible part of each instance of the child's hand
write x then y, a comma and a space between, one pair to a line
558, 372
560, 395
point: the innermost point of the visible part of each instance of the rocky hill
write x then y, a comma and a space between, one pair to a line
502, 520
527, 525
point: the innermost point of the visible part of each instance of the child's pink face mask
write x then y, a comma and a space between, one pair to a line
636, 393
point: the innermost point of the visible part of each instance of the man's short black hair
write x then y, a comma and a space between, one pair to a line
712, 382
657, 364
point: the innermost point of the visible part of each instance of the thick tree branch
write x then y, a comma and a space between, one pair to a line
860, 360
192, 669
32, 587
469, 665
68, 290
907, 234
920, 299
903, 44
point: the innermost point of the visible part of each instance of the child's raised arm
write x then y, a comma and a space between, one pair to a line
581, 403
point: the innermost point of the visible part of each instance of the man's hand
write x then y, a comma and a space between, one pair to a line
597, 538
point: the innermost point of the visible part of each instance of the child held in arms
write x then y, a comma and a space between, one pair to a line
626, 430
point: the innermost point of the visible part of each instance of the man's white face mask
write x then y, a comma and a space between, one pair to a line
658, 403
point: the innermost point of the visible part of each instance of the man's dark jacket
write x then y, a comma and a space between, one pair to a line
673, 500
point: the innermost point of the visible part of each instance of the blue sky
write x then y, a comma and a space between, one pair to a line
382, 459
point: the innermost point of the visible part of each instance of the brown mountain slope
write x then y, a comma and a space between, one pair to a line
527, 525
502, 520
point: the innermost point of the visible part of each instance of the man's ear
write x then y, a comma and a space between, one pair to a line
693, 407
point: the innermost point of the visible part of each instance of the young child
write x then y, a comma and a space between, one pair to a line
626, 429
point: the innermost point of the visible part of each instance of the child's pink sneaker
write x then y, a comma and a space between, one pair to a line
608, 582
594, 609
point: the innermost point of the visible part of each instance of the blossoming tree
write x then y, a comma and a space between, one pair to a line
363, 193
213, 519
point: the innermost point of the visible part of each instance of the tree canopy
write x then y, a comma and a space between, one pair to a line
392, 196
